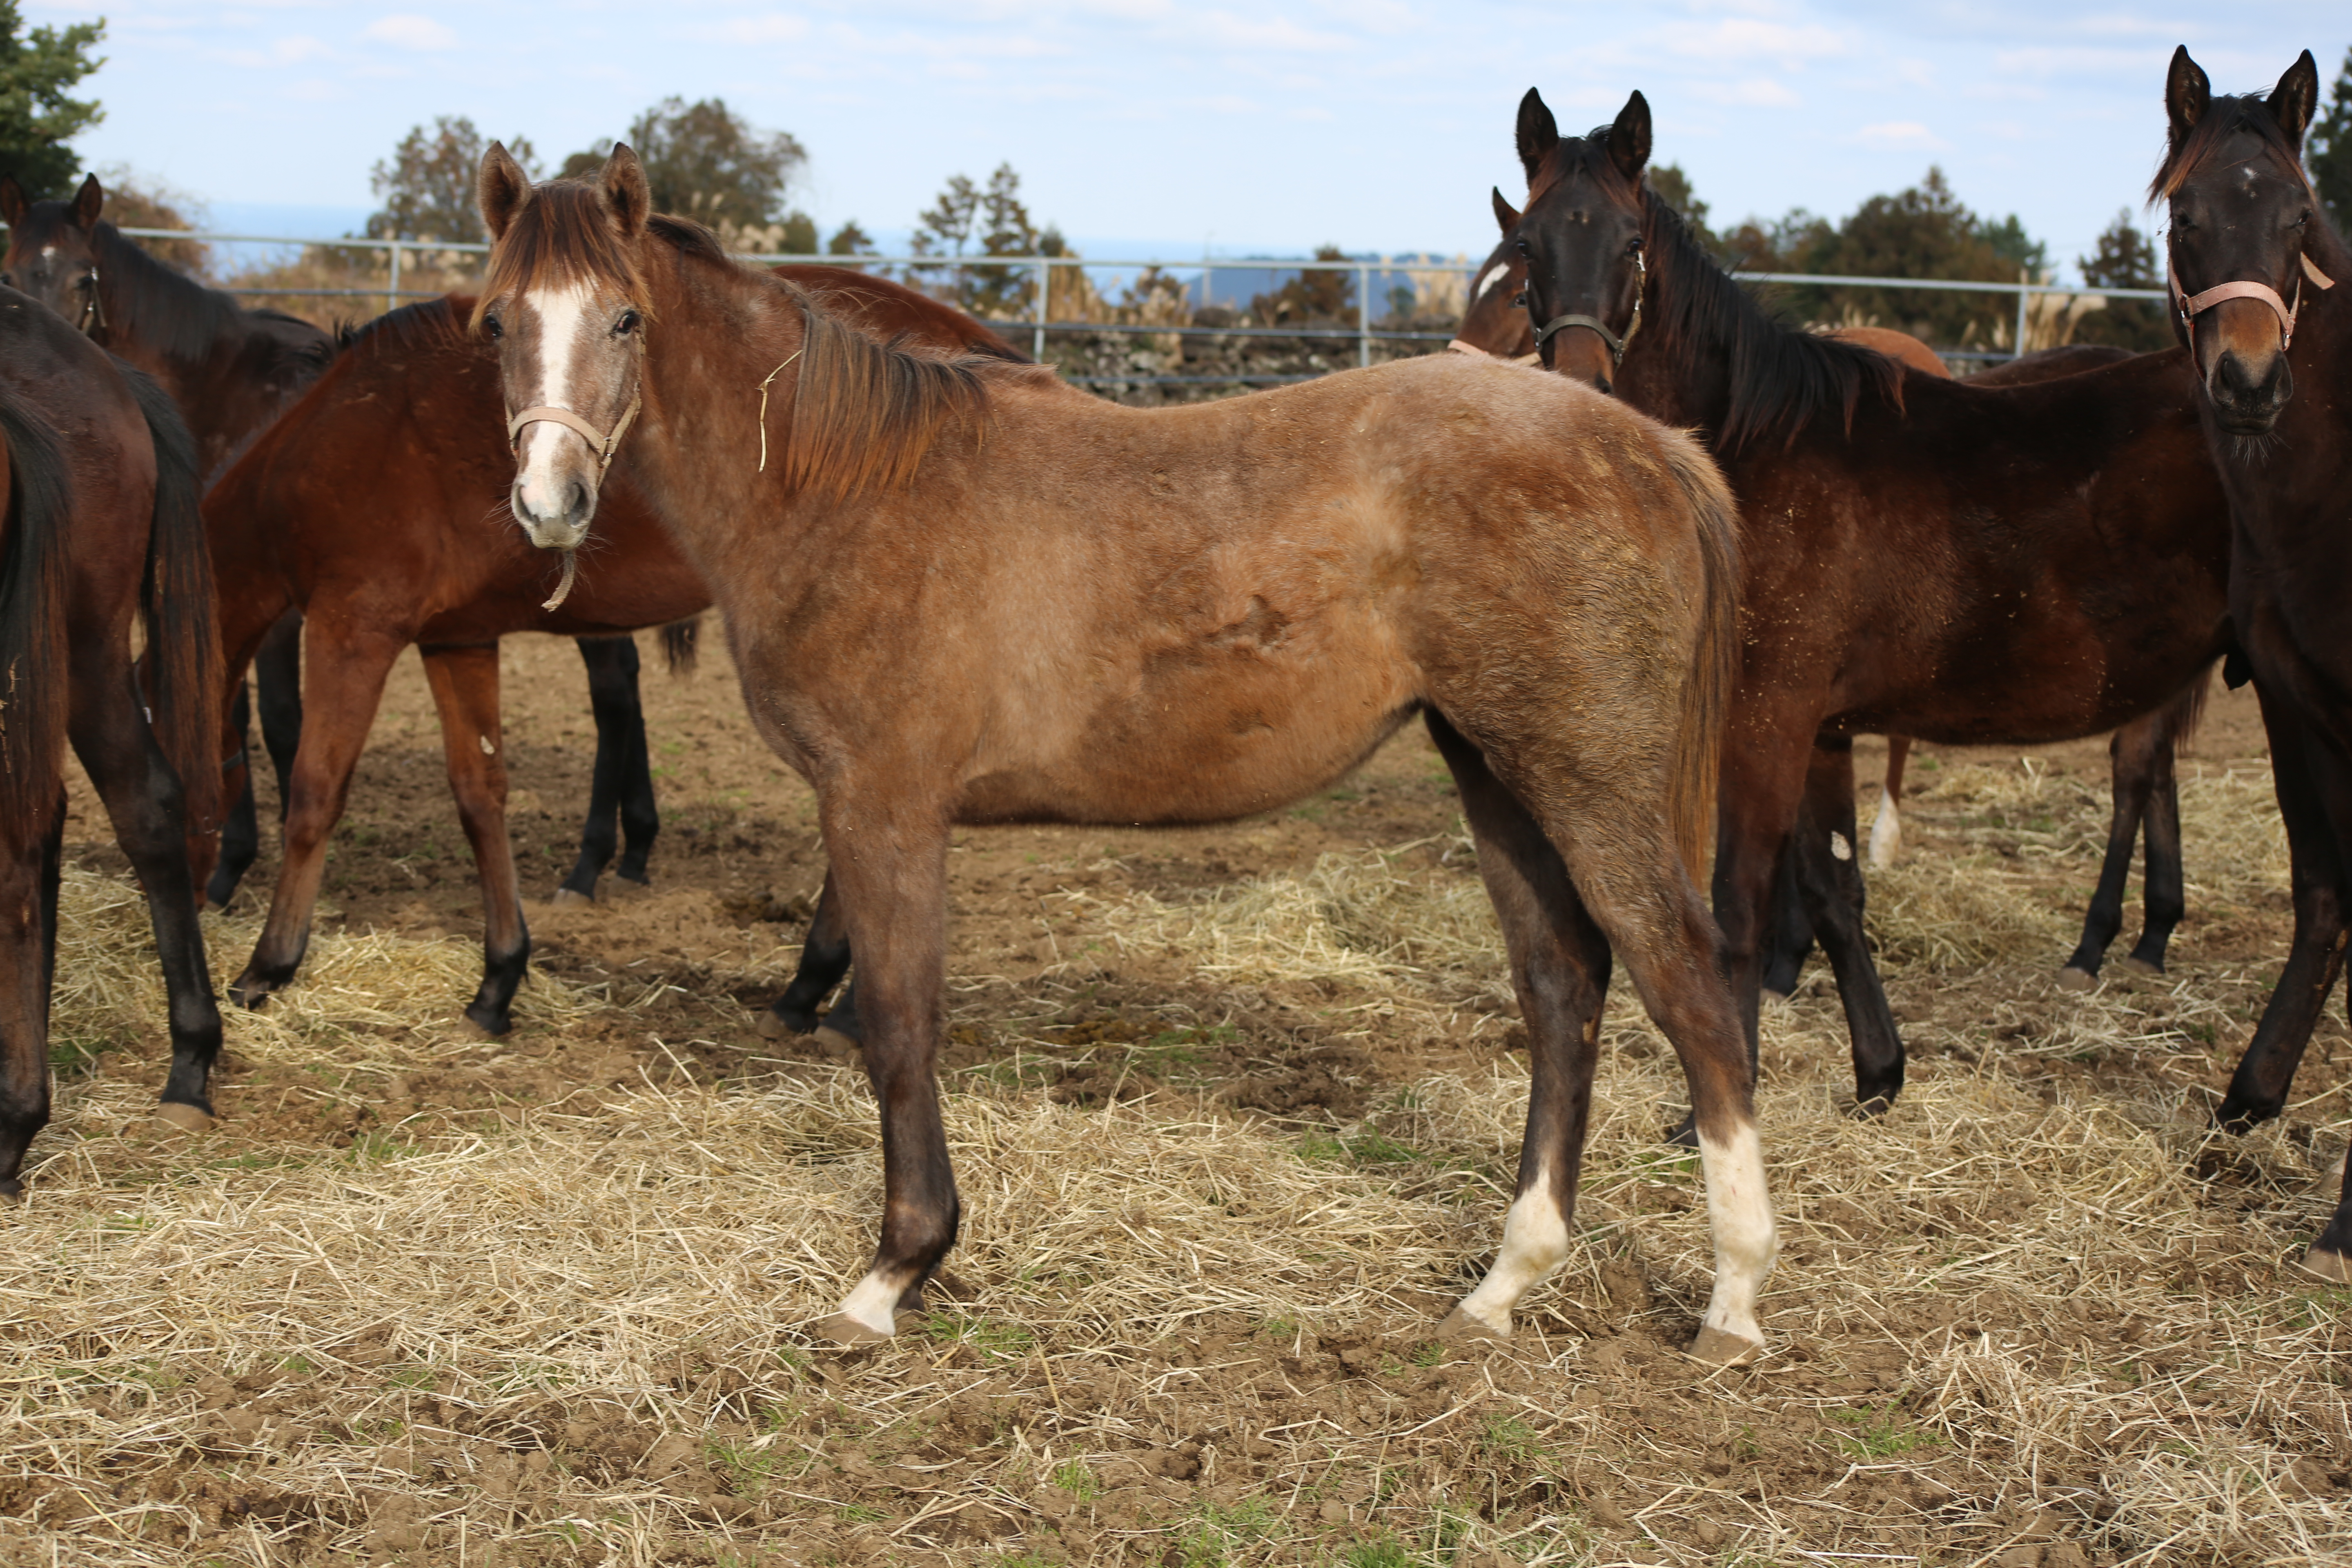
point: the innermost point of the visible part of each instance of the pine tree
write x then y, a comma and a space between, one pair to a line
2125, 257
427, 183
2327, 150
705, 162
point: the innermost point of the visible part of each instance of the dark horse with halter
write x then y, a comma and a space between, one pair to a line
959, 591
101, 530
372, 508
2145, 788
2259, 281
232, 371
1895, 579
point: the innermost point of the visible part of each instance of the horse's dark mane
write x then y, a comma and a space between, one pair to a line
423, 324
1780, 378
182, 319
2225, 115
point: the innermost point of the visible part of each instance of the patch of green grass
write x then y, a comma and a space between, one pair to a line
1078, 1478
1384, 1551
990, 1336
859, 1513
299, 1365
378, 1148
1880, 1433
418, 1376
1508, 1441
748, 1468
1428, 1353
1217, 1532
1279, 1328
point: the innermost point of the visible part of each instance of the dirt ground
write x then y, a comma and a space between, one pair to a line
1235, 1112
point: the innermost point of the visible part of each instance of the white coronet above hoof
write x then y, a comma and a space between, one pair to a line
1720, 1347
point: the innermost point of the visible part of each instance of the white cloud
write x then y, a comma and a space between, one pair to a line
1745, 38
1901, 136
408, 30
1229, 31
774, 28
1755, 92
286, 51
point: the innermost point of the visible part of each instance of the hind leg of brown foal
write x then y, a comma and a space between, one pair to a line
465, 681
28, 877
1560, 971
143, 802
889, 859
348, 669
2132, 755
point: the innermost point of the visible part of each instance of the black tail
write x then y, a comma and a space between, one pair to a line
681, 644
33, 584
183, 631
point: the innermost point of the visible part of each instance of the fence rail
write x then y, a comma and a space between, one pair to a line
1363, 333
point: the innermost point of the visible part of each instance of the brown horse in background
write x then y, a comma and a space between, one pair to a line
1895, 579
2263, 291
102, 530
375, 509
2144, 786
959, 591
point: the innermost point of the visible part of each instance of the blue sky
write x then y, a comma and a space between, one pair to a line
1376, 125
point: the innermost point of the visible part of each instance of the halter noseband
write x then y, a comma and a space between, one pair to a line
601, 444
93, 310
1560, 324
2192, 306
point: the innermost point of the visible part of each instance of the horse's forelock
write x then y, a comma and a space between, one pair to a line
1585, 154
563, 238
2223, 118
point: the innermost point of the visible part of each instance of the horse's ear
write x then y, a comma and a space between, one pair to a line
1629, 138
1506, 217
501, 190
2294, 98
626, 188
13, 204
2187, 93
88, 202
1538, 133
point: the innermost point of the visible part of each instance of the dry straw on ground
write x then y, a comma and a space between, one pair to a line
2036, 1316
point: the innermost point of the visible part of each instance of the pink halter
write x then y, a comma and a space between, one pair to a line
2192, 306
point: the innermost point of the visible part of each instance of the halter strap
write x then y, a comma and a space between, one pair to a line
1560, 324
93, 311
1460, 347
603, 445
2192, 306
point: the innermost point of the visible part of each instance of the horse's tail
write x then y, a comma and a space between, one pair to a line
681, 642
182, 633
1714, 658
2187, 710
34, 581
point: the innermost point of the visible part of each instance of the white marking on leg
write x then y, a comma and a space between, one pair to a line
875, 1303
1739, 1211
561, 315
1885, 834
1535, 1242
1839, 848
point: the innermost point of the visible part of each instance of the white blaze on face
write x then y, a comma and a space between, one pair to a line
541, 474
1535, 1242
1739, 1211
1488, 278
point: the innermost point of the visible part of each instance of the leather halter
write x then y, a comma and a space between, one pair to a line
1560, 324
1461, 347
601, 444
2192, 306
93, 311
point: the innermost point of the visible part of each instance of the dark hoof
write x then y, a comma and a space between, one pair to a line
572, 899
186, 1118
12, 1190
2332, 1267
627, 887
2074, 979
220, 890
1872, 1107
779, 1021
490, 1023
1685, 1135
832, 1040
2136, 964
1721, 1349
251, 989
2235, 1115
1774, 986
1460, 1328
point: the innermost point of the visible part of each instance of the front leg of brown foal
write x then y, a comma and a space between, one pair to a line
890, 863
465, 681
347, 675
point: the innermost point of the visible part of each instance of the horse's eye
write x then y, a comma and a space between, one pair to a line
493, 326
1520, 246
1519, 300
625, 325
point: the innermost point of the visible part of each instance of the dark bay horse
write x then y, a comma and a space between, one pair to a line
1895, 579
2145, 788
374, 508
102, 530
232, 371
2262, 293
959, 591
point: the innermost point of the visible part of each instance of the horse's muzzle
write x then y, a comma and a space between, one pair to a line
2249, 394
566, 526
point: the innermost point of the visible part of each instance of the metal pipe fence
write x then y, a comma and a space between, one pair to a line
1366, 269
